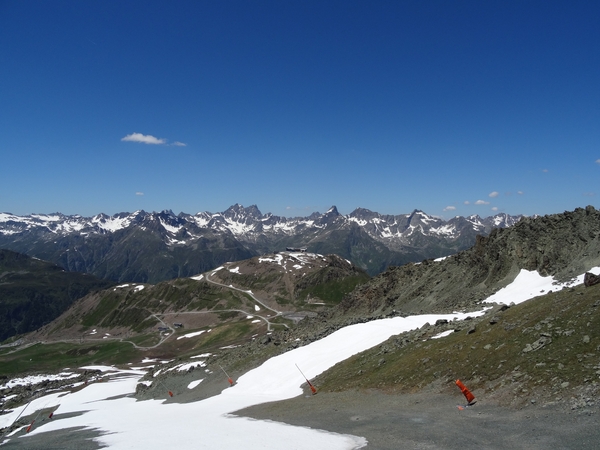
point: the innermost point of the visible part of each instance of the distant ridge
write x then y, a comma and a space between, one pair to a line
151, 247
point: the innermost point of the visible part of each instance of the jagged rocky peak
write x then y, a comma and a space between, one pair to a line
333, 211
100, 217
238, 211
419, 217
505, 220
363, 214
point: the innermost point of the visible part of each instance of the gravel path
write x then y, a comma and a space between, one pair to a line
433, 421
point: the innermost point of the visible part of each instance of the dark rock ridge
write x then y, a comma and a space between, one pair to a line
560, 245
152, 247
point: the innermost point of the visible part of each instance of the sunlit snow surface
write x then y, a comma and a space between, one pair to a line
530, 284
152, 424
125, 423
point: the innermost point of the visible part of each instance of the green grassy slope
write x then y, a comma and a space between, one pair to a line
34, 292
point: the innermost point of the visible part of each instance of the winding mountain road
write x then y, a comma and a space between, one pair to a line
257, 300
158, 317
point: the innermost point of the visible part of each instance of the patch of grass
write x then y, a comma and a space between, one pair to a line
145, 324
49, 358
106, 305
250, 281
226, 315
145, 340
282, 300
227, 334
333, 291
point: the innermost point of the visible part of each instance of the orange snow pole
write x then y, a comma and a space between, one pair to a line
312, 388
467, 393
170, 393
33, 421
228, 377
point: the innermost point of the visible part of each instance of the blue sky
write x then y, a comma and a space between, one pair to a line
450, 107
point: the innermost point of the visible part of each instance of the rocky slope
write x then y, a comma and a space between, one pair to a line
562, 245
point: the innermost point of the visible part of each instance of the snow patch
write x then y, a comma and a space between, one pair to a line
191, 335
193, 384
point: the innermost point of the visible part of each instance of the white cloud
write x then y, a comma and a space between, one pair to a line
139, 193
449, 208
482, 202
179, 144
143, 138
545, 170
520, 192
467, 202
494, 194
494, 208
598, 161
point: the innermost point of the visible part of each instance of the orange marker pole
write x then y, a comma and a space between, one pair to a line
228, 377
312, 388
170, 393
15, 421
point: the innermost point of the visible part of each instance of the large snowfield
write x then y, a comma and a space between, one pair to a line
125, 423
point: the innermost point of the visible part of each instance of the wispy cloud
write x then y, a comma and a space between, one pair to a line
494, 208
520, 192
467, 202
144, 139
598, 161
450, 208
493, 194
139, 193
545, 170
149, 139
482, 202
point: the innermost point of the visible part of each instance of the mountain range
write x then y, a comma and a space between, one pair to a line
152, 247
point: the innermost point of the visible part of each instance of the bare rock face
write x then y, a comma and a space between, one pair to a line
590, 279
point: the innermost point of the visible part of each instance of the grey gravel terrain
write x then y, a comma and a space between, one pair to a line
433, 421
429, 419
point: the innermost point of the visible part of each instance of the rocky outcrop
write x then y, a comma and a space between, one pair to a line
590, 279
560, 245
